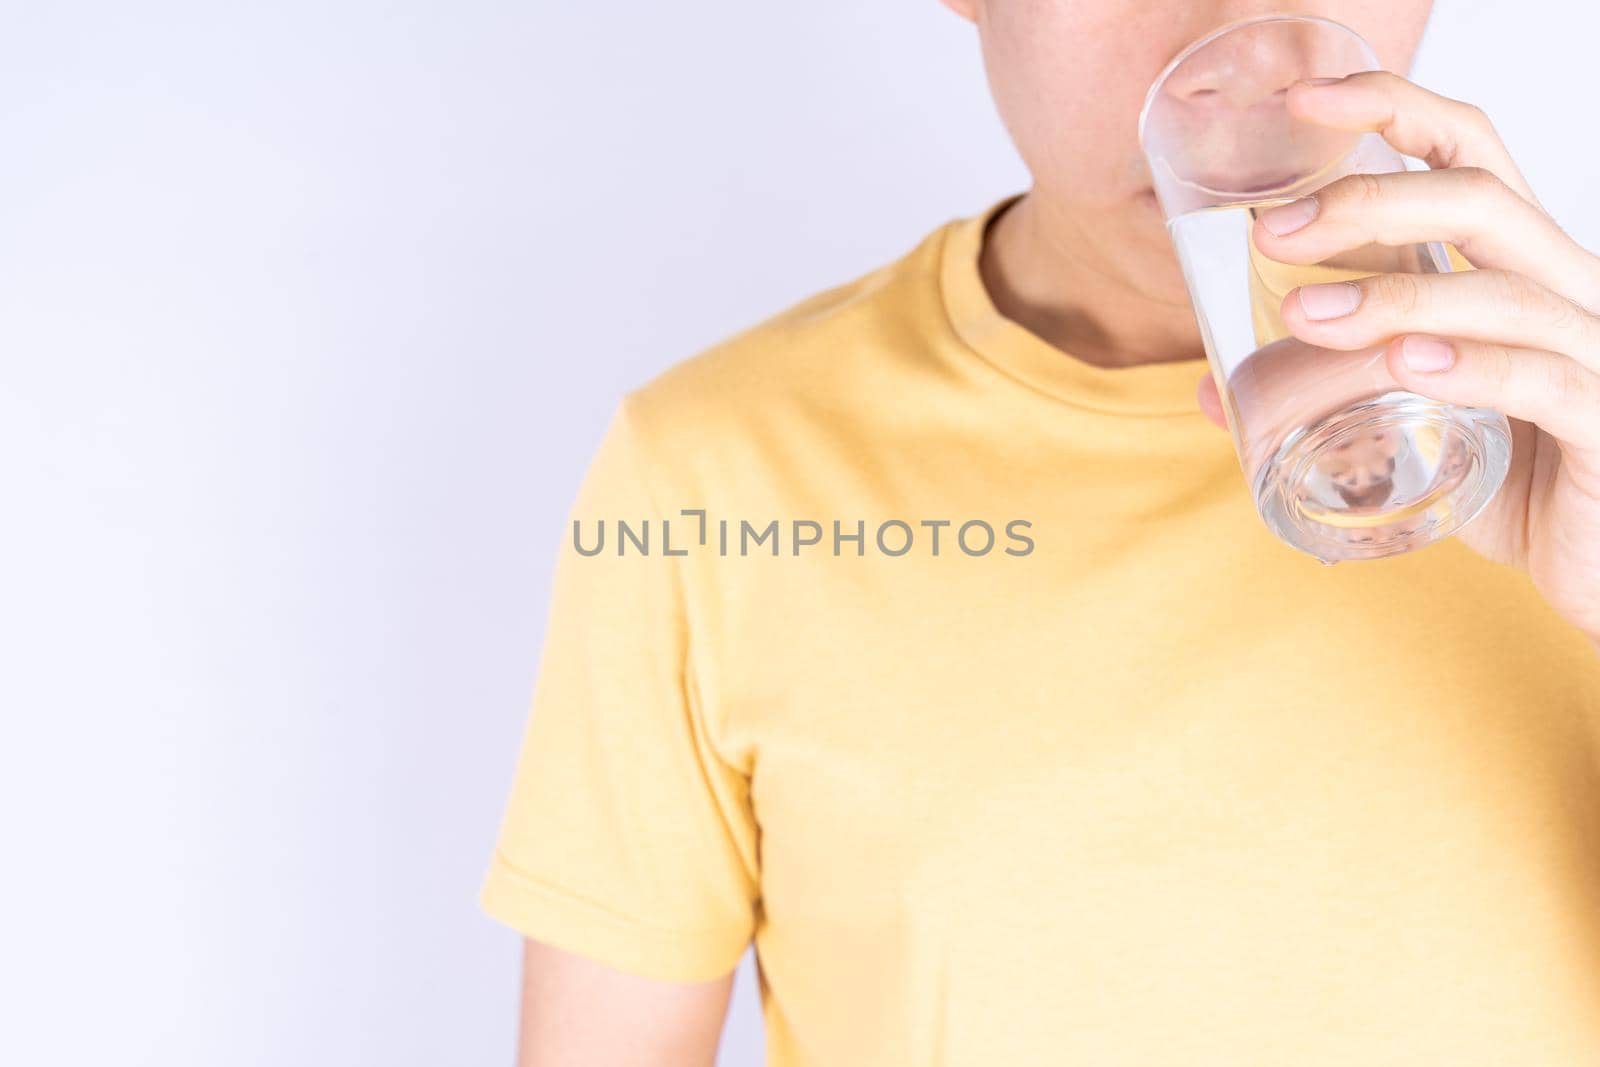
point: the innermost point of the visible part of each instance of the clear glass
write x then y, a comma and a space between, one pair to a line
1342, 462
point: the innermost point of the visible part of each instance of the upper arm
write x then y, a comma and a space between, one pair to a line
627, 855
575, 1010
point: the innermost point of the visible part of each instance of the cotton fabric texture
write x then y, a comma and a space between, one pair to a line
1158, 790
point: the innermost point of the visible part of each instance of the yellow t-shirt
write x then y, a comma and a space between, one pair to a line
1138, 785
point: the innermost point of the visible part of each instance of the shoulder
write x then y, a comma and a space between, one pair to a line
814, 354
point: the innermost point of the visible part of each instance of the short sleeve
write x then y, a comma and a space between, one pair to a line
626, 838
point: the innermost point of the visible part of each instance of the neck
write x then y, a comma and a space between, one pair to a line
1043, 274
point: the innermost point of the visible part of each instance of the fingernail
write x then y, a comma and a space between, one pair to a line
1427, 353
1318, 81
1330, 300
1287, 218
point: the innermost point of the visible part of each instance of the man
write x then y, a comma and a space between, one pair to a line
933, 642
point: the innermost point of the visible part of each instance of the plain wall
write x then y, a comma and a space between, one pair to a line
310, 317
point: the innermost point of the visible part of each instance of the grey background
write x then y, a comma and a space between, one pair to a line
310, 316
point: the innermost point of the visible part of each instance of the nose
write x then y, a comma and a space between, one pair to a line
1241, 70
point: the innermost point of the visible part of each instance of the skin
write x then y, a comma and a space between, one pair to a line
575, 1010
1083, 260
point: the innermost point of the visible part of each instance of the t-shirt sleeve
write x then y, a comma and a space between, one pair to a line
626, 838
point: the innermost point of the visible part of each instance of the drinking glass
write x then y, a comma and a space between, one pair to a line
1342, 462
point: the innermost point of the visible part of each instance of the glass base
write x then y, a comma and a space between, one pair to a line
1383, 477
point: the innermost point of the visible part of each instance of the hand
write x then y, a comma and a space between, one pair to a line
1520, 334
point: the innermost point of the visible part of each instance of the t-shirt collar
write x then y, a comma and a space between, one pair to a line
1162, 389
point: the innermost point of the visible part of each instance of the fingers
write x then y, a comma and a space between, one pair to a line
1436, 129
1550, 390
1496, 307
1469, 207
1546, 389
